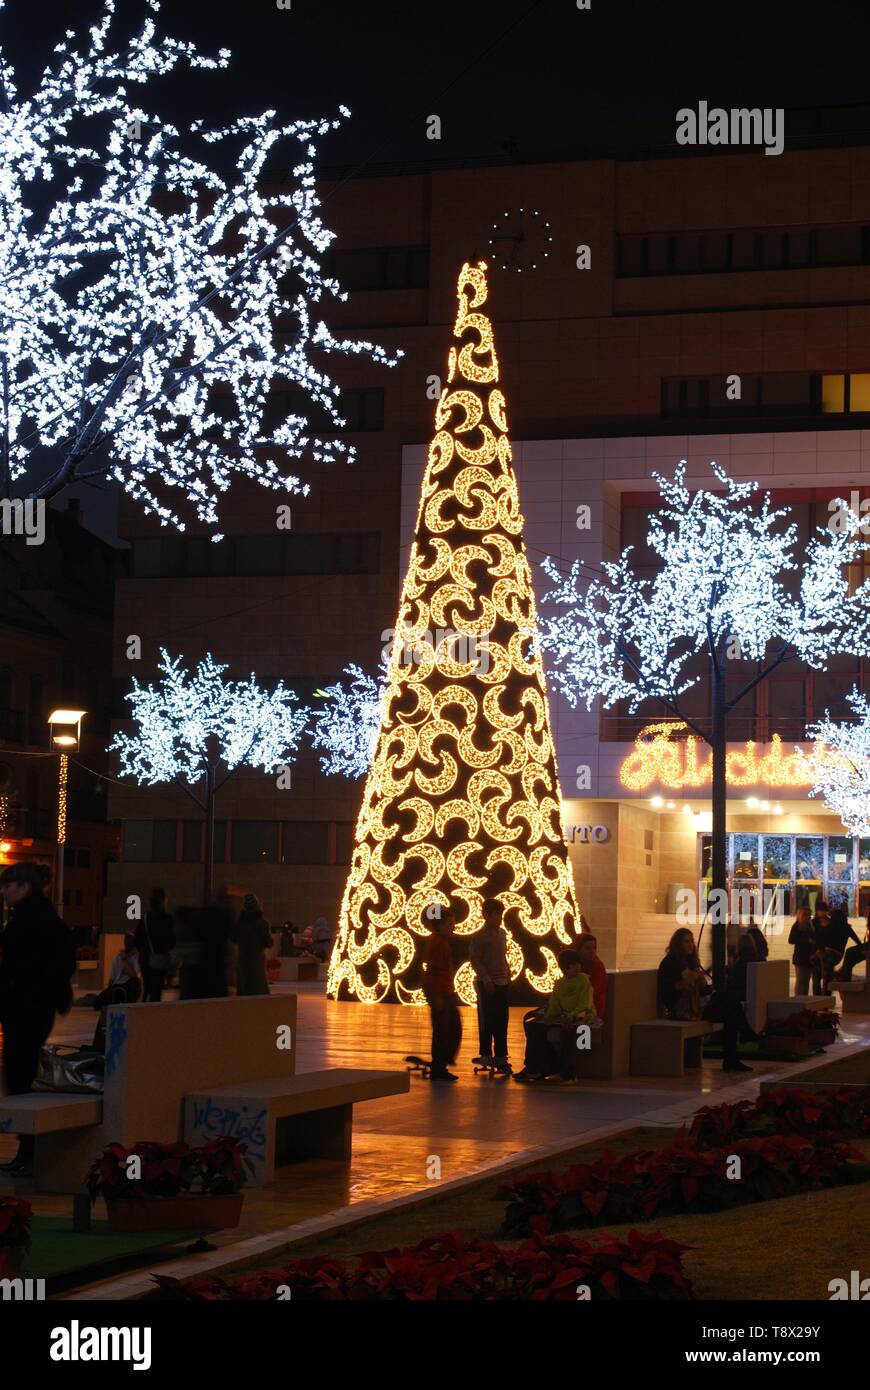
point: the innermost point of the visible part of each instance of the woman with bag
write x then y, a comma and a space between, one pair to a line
155, 938
38, 963
685, 993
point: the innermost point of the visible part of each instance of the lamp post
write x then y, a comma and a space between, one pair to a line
66, 733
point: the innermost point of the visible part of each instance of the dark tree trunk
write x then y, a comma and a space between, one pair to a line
719, 849
208, 883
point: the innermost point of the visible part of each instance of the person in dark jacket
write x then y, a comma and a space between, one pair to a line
803, 940
190, 950
155, 938
854, 955
831, 939
685, 993
762, 946
252, 935
37, 966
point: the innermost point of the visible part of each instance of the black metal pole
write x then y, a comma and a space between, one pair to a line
719, 848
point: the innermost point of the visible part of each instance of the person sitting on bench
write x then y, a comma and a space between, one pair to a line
591, 965
551, 1034
686, 994
853, 956
831, 940
124, 987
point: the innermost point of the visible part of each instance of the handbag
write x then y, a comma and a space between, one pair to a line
157, 960
63, 1067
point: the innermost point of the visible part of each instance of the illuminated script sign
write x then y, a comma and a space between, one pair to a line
660, 759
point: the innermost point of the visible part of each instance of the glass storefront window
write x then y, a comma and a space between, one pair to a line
745, 856
809, 858
864, 859
776, 854
840, 858
841, 895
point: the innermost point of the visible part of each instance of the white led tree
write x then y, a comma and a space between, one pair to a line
729, 588
192, 727
840, 764
158, 318
345, 730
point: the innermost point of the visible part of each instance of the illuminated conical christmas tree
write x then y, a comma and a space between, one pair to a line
462, 799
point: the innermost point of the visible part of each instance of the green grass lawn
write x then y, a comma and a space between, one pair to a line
785, 1249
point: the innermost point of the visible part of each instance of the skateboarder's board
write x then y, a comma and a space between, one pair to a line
488, 1065
420, 1064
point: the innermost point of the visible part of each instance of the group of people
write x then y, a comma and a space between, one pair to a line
820, 942
578, 997
210, 948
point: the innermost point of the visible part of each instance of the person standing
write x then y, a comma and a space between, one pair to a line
492, 979
253, 936
155, 938
831, 939
804, 942
35, 973
441, 997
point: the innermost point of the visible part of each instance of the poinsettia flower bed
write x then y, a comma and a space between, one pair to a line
168, 1170
682, 1178
15, 1217
800, 1025
783, 1112
449, 1268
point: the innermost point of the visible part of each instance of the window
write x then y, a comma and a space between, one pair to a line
255, 842
344, 831
382, 268
138, 841
83, 859
259, 555
859, 391
191, 841
305, 842
833, 395
759, 248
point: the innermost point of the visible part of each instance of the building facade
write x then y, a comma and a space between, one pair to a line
626, 295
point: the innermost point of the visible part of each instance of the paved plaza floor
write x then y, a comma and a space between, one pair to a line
468, 1126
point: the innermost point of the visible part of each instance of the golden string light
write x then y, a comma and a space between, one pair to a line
461, 802
62, 780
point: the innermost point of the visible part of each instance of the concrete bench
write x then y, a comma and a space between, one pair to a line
667, 1046
631, 997
307, 1116
767, 982
46, 1113
798, 1004
854, 995
298, 968
156, 1056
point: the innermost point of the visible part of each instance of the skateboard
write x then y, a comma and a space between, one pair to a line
420, 1064
487, 1064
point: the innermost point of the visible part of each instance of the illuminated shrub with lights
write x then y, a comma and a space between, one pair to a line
449, 1268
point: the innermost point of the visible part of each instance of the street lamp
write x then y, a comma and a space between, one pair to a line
66, 732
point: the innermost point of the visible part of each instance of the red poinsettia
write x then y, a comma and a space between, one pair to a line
15, 1215
166, 1170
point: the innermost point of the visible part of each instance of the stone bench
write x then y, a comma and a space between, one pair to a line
156, 1056
854, 995
307, 1116
667, 1046
798, 1004
46, 1113
631, 997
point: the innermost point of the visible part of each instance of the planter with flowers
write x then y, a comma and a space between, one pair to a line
15, 1217
824, 1028
273, 969
788, 1036
173, 1187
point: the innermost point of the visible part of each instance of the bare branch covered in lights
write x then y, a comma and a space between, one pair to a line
158, 319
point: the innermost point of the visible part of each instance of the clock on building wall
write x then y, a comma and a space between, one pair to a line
520, 240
